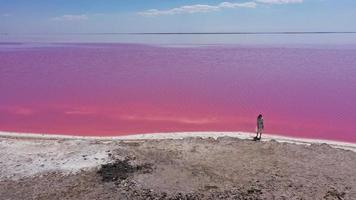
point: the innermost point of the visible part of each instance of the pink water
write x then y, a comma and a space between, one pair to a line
116, 89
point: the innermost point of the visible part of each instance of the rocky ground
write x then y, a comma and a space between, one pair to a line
192, 168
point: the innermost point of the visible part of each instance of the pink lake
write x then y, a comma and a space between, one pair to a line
116, 89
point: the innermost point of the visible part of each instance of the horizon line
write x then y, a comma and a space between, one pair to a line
195, 33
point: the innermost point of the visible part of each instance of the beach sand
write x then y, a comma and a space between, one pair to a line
212, 165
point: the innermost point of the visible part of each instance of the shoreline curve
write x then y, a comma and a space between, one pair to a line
182, 135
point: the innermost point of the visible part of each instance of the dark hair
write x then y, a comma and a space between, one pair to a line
259, 116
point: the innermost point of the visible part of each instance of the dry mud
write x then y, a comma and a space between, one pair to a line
191, 168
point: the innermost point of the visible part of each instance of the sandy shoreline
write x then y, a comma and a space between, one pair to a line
175, 166
182, 135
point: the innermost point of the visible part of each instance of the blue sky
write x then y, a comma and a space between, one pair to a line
94, 16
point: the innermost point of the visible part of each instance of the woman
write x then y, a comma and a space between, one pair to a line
260, 127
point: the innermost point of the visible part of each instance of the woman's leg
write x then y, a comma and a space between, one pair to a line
260, 130
257, 131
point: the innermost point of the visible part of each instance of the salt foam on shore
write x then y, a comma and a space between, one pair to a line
182, 135
26, 154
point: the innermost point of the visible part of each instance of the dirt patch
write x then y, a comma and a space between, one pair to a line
188, 169
334, 194
121, 170
224, 195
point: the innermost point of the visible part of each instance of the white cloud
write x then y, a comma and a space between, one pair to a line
238, 5
71, 18
202, 8
184, 9
198, 8
6, 15
279, 1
